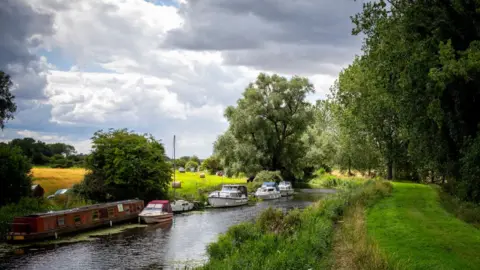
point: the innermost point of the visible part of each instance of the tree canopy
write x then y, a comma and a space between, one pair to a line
266, 127
7, 105
15, 180
125, 165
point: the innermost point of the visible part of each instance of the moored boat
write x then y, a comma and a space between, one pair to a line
229, 196
55, 223
181, 206
286, 188
267, 193
157, 211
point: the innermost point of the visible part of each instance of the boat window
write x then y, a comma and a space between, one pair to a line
111, 212
95, 215
61, 221
152, 206
77, 219
127, 208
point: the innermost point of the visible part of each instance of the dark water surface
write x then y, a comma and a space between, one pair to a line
150, 247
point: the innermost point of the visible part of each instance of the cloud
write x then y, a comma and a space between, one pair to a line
307, 36
81, 66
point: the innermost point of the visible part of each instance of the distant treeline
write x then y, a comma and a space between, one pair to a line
56, 155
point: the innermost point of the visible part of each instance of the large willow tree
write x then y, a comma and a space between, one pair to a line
266, 127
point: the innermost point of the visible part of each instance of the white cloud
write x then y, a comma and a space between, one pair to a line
150, 88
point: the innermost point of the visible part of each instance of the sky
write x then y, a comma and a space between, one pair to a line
160, 67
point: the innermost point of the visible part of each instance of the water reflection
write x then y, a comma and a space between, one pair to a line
151, 247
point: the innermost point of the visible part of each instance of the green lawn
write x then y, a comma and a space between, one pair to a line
191, 182
415, 232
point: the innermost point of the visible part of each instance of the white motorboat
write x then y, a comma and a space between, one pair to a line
230, 195
267, 193
158, 211
286, 188
181, 206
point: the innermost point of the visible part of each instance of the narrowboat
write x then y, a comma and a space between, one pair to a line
55, 223
157, 211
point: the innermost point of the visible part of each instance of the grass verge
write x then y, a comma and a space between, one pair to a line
415, 232
466, 211
293, 240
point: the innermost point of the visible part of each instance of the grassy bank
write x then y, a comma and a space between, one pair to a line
295, 240
413, 230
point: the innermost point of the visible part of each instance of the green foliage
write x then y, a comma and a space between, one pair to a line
331, 181
266, 127
268, 176
7, 106
125, 165
211, 164
15, 179
40, 153
191, 165
279, 240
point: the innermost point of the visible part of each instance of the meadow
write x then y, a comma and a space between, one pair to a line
191, 184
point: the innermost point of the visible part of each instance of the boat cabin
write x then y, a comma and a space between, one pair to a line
232, 191
270, 184
54, 223
156, 205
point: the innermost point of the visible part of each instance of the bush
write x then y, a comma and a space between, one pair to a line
15, 180
268, 176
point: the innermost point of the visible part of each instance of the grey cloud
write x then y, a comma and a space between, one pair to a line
22, 29
305, 36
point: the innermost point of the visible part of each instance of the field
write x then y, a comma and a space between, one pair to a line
415, 232
53, 179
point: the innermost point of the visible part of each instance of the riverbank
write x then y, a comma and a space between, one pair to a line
293, 240
414, 231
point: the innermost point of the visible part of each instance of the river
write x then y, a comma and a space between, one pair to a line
148, 247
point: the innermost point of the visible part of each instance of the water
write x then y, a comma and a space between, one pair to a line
149, 247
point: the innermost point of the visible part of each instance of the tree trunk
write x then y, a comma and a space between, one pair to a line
443, 179
390, 170
349, 165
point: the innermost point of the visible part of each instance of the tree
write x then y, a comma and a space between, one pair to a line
15, 180
7, 106
266, 127
182, 161
125, 165
61, 149
195, 159
191, 165
211, 164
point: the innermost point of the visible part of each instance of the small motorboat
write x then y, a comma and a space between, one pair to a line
181, 206
157, 211
268, 191
230, 195
286, 188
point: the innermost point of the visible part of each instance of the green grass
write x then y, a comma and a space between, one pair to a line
332, 181
293, 240
192, 185
415, 232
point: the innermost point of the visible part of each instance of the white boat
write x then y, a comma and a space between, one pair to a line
230, 195
267, 193
181, 206
286, 188
158, 211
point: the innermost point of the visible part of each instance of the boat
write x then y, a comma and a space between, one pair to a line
267, 193
52, 224
229, 196
286, 188
157, 211
181, 206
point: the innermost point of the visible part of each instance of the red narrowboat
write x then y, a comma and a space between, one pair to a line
52, 224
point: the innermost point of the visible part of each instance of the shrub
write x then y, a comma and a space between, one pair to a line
268, 176
15, 181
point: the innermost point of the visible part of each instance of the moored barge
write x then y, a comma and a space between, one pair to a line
53, 224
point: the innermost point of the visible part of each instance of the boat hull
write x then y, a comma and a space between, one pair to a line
226, 202
182, 208
165, 218
269, 196
286, 192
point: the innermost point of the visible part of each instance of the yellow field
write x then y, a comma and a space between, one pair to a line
53, 179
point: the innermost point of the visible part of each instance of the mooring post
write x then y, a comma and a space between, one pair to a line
56, 235
111, 224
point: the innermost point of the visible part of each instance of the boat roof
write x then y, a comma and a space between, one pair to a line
286, 182
232, 185
158, 202
80, 209
269, 183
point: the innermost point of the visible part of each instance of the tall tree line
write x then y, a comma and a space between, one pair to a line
414, 93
